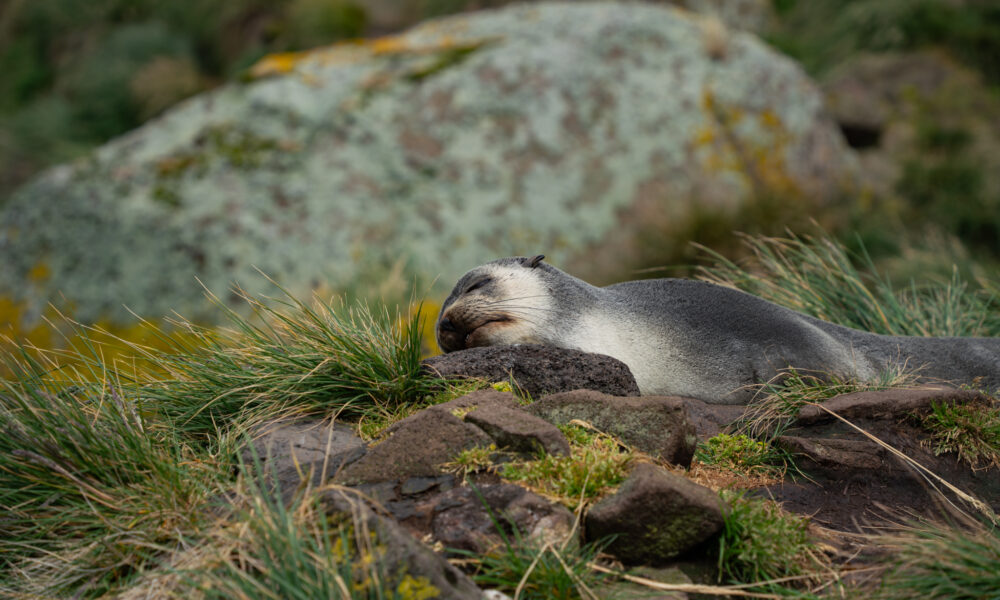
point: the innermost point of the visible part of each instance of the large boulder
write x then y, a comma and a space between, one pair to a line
582, 130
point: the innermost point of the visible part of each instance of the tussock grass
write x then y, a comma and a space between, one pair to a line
971, 431
817, 276
93, 487
107, 474
347, 361
272, 551
936, 562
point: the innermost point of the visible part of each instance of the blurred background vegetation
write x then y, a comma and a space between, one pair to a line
79, 72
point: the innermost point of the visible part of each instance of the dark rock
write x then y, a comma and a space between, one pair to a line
465, 518
399, 554
293, 449
656, 425
655, 516
853, 479
538, 370
417, 446
519, 431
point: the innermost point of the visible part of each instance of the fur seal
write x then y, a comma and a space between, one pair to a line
684, 337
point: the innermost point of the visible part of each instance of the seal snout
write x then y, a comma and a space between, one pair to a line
459, 333
450, 337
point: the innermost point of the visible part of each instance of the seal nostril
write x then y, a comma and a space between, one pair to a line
446, 325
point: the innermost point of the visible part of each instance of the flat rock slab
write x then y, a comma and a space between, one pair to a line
656, 425
465, 518
291, 450
538, 370
886, 404
519, 431
655, 516
417, 447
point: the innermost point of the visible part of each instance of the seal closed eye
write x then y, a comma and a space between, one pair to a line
683, 337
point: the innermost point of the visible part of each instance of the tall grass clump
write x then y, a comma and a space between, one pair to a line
938, 563
93, 486
817, 276
270, 550
288, 355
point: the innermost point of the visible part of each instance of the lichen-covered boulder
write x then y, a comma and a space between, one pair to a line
572, 129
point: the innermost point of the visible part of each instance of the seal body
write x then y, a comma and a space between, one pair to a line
687, 338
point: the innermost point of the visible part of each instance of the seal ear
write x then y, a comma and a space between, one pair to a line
532, 262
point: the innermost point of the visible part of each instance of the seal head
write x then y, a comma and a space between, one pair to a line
493, 304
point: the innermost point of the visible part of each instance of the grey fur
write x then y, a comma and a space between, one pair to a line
696, 339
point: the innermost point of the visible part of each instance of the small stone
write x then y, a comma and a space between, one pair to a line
538, 370
519, 431
656, 425
655, 516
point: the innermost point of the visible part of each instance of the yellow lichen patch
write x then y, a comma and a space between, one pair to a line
40, 272
277, 64
704, 137
419, 588
769, 119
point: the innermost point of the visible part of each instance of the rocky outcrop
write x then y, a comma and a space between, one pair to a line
656, 517
538, 370
584, 130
